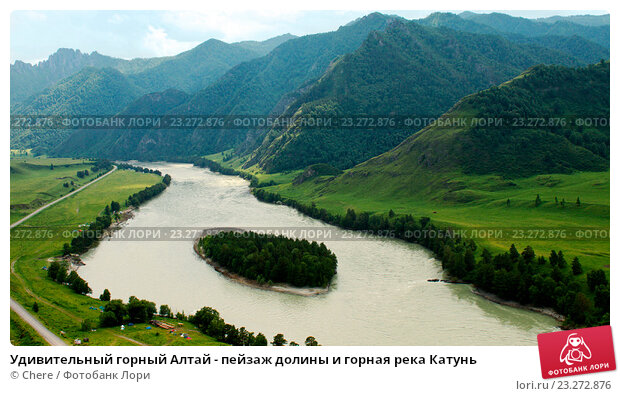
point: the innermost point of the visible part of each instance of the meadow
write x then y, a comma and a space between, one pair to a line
36, 181
473, 202
60, 309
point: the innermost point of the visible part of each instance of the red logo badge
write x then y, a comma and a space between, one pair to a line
575, 352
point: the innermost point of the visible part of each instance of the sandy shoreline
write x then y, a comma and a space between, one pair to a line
281, 288
493, 298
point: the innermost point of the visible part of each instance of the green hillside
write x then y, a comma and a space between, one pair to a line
254, 87
28, 79
569, 42
531, 28
196, 68
465, 177
408, 70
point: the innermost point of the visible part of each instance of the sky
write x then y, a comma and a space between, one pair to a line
142, 34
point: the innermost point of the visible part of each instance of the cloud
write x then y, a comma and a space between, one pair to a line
158, 42
117, 19
35, 16
230, 26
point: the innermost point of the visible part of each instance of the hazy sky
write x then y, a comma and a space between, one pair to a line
130, 34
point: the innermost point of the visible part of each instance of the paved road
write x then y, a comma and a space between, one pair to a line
47, 335
60, 199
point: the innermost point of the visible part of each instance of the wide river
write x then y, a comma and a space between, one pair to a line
380, 295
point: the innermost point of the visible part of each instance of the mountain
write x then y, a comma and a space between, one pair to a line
156, 103
85, 92
264, 47
195, 69
255, 87
582, 49
587, 20
577, 46
408, 70
89, 92
190, 70
430, 161
530, 28
27, 79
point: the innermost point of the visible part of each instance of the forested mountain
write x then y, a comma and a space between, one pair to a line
27, 79
408, 70
94, 90
573, 44
91, 91
531, 28
189, 71
264, 47
420, 67
156, 103
588, 20
254, 87
195, 69
431, 158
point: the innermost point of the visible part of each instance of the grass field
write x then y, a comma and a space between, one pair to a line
59, 307
22, 333
34, 182
482, 204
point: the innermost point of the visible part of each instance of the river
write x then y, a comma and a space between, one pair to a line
380, 295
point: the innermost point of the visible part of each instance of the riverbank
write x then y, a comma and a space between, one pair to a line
281, 288
513, 304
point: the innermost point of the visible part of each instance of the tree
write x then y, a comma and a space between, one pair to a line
538, 201
86, 325
260, 340
115, 206
278, 340
105, 296
578, 202
164, 310
293, 343
528, 254
561, 260
311, 341
601, 297
514, 253
52, 270
596, 278
553, 258
576, 265
470, 261
140, 310
35, 307
113, 314
508, 202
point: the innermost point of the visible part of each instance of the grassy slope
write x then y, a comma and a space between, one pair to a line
482, 204
33, 183
59, 307
22, 333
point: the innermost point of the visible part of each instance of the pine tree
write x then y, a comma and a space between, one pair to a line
538, 200
577, 270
